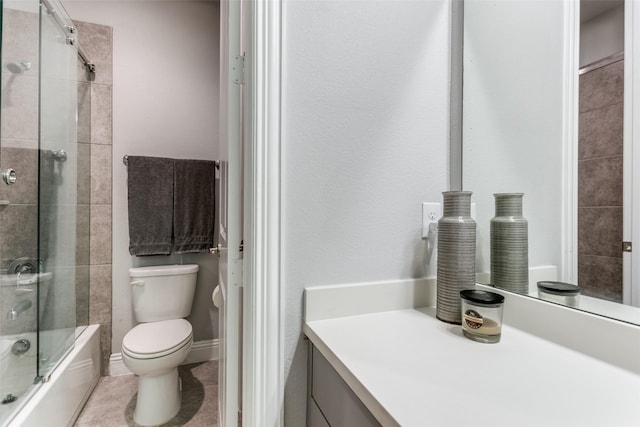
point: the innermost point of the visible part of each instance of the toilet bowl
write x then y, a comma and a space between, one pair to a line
153, 350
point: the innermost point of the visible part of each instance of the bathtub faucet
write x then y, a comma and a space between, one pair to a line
15, 311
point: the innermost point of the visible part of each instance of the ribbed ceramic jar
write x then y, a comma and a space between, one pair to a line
456, 254
509, 244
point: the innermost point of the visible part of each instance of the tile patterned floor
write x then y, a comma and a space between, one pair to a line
114, 398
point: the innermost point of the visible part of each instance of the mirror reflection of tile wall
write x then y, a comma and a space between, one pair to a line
600, 179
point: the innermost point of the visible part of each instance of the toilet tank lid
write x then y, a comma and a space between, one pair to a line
163, 270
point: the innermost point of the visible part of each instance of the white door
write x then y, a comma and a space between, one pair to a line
230, 218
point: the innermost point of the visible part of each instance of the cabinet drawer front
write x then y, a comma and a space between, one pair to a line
316, 419
337, 402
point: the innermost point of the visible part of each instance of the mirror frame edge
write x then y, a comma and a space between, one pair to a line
569, 240
630, 293
455, 94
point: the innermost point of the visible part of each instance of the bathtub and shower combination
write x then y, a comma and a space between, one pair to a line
49, 354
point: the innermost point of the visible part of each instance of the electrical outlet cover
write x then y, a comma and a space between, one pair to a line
431, 213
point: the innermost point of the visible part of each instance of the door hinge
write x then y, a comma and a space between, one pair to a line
237, 70
626, 246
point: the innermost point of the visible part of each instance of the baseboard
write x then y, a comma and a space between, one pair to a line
201, 351
116, 366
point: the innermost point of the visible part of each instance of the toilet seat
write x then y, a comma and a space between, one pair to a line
157, 339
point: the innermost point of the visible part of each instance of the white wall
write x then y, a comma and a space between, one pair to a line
512, 117
365, 142
602, 36
165, 103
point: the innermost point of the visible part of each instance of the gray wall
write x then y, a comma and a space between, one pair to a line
365, 129
165, 103
602, 36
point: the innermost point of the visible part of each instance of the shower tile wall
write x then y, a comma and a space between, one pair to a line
600, 166
95, 155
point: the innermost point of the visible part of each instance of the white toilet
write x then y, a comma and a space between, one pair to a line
161, 297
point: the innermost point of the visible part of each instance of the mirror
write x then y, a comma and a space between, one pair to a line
542, 114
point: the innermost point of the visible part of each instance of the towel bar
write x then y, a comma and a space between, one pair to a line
125, 160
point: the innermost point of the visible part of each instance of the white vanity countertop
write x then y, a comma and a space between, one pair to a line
411, 369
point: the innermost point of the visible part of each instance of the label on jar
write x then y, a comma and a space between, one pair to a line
473, 319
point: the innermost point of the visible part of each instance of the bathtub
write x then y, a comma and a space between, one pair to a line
58, 401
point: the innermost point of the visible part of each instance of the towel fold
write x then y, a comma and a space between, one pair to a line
150, 199
193, 205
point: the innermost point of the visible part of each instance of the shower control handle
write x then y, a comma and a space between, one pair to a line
9, 176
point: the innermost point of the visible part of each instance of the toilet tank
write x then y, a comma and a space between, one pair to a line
162, 292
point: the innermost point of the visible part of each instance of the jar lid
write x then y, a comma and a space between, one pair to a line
558, 288
482, 297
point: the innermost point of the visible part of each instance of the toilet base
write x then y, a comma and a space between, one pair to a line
159, 398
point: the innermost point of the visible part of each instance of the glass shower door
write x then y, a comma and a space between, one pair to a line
19, 152
38, 197
57, 192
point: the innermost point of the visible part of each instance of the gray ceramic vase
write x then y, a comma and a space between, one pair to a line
456, 254
509, 244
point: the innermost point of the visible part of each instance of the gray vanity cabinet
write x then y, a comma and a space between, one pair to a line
331, 403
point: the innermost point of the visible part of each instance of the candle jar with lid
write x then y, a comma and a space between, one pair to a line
559, 293
481, 315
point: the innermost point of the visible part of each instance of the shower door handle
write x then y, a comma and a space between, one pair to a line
9, 176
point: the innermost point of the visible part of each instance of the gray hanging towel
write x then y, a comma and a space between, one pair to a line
150, 196
193, 205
